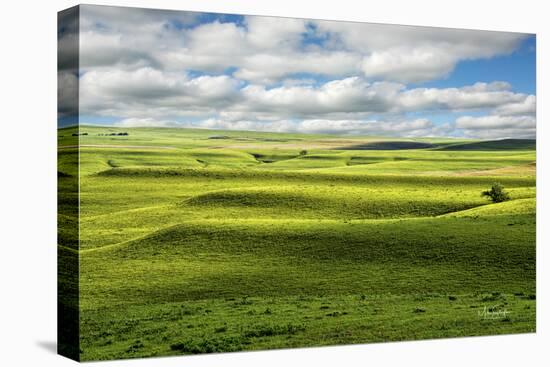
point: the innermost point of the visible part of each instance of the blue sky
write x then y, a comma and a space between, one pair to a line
163, 68
517, 68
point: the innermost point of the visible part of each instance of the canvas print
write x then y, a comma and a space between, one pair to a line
235, 183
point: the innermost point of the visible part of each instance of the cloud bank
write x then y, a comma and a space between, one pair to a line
161, 68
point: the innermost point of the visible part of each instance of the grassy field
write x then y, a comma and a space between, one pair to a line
198, 241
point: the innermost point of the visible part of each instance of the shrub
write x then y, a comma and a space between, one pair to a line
303, 152
210, 345
135, 347
496, 193
221, 329
272, 330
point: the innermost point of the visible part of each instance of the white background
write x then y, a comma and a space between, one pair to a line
28, 181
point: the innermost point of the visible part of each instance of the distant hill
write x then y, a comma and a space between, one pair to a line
504, 144
389, 145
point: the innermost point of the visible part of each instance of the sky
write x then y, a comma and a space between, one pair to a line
142, 67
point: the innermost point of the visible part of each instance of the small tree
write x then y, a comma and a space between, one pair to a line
496, 193
303, 152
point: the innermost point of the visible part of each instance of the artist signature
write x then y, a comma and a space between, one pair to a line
493, 313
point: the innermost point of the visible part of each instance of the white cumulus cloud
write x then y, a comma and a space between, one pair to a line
163, 68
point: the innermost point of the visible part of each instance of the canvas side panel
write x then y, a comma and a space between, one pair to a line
68, 184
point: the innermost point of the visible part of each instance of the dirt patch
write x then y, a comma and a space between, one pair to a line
529, 169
